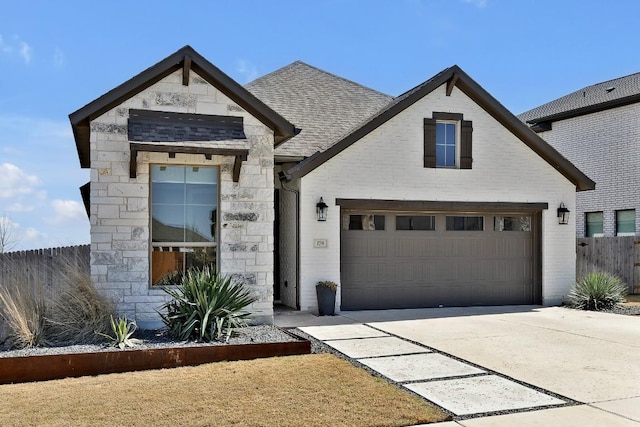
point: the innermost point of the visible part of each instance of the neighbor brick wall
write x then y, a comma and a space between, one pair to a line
119, 213
605, 146
388, 164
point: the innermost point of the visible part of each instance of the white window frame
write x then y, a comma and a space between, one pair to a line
457, 125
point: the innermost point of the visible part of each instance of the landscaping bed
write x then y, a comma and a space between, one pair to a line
155, 351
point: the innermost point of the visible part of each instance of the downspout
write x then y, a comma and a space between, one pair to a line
283, 178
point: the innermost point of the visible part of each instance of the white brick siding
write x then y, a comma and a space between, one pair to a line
120, 213
606, 147
388, 164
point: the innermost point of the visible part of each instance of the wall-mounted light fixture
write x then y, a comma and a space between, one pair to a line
321, 210
563, 214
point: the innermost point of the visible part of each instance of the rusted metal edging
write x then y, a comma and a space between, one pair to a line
50, 367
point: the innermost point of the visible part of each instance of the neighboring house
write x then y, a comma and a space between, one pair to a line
598, 129
438, 197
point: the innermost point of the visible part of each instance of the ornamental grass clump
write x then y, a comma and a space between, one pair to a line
205, 306
597, 291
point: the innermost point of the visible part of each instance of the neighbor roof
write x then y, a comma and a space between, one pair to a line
322, 104
452, 77
187, 59
598, 97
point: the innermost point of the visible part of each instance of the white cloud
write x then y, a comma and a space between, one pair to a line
25, 52
247, 70
15, 182
19, 207
16, 46
477, 3
58, 57
66, 212
31, 234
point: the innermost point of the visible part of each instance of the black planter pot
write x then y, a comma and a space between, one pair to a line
326, 301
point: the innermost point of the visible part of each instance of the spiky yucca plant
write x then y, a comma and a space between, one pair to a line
205, 306
597, 291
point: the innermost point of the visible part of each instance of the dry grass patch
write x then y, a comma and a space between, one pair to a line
311, 390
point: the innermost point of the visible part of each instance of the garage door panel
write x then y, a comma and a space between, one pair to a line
419, 268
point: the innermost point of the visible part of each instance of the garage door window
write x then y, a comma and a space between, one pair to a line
366, 222
512, 223
416, 222
465, 223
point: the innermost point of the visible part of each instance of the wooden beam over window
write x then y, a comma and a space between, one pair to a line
240, 155
451, 83
237, 164
186, 68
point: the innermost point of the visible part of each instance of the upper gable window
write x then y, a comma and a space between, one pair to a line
447, 141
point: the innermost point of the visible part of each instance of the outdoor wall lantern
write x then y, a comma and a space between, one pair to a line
563, 214
321, 210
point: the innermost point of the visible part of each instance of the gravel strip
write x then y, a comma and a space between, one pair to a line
159, 339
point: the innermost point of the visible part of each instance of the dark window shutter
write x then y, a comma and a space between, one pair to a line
429, 143
466, 153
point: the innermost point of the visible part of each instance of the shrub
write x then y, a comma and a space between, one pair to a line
77, 311
23, 310
70, 313
597, 291
328, 284
205, 306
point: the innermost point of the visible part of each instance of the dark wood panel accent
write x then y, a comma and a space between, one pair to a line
173, 149
429, 143
440, 206
237, 164
466, 146
447, 116
186, 68
451, 83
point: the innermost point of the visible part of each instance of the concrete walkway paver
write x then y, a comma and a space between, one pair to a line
375, 347
340, 332
414, 367
476, 395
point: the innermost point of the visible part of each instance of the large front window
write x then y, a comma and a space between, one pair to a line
184, 202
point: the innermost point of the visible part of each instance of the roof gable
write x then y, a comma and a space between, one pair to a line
598, 97
323, 105
453, 77
186, 59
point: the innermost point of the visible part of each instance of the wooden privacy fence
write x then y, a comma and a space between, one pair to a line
616, 255
42, 267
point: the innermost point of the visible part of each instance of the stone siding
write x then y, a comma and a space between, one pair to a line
120, 208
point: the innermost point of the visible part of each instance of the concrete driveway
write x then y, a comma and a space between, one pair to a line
592, 359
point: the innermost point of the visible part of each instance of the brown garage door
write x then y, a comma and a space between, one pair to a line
408, 260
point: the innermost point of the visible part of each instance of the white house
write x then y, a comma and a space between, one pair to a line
438, 197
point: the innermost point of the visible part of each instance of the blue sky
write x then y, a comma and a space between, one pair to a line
56, 57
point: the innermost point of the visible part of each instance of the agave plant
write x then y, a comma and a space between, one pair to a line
122, 330
205, 306
597, 291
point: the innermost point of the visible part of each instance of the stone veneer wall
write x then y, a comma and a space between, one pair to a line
120, 208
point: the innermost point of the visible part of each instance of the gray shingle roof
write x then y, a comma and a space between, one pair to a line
593, 98
323, 105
